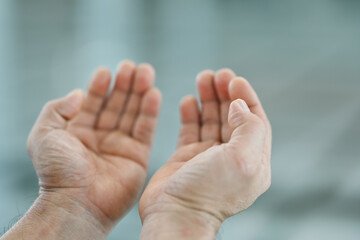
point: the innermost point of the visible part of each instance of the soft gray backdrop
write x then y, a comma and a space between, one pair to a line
303, 58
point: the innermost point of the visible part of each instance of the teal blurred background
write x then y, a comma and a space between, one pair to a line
302, 57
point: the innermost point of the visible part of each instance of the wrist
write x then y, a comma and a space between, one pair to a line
75, 215
179, 223
54, 216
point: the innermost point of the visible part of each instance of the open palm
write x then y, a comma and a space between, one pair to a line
222, 163
95, 149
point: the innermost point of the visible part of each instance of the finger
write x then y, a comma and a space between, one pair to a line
94, 99
110, 114
144, 79
147, 119
190, 121
210, 117
56, 112
241, 88
55, 115
248, 136
222, 81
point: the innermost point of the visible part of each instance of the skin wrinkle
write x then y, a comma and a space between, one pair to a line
64, 147
203, 183
183, 207
98, 226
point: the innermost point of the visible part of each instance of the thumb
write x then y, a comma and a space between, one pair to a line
56, 112
54, 115
238, 113
248, 133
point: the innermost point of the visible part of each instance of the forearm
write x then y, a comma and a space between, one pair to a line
56, 218
180, 225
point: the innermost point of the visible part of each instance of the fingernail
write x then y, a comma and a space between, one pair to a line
239, 106
238, 110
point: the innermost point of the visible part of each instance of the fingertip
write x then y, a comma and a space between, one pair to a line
124, 75
224, 73
154, 96
125, 64
239, 87
222, 81
238, 108
100, 81
70, 105
157, 92
189, 109
147, 67
145, 77
237, 80
76, 95
203, 76
206, 86
187, 102
186, 99
239, 105
102, 72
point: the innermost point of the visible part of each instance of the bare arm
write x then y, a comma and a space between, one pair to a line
56, 217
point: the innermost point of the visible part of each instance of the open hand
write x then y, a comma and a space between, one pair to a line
222, 163
94, 149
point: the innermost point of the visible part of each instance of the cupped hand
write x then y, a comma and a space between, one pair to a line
94, 148
222, 163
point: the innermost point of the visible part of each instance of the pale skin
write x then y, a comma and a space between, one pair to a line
221, 166
91, 153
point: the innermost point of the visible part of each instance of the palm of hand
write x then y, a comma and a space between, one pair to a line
206, 173
110, 180
97, 155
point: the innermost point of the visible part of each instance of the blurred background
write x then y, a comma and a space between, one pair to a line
302, 57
